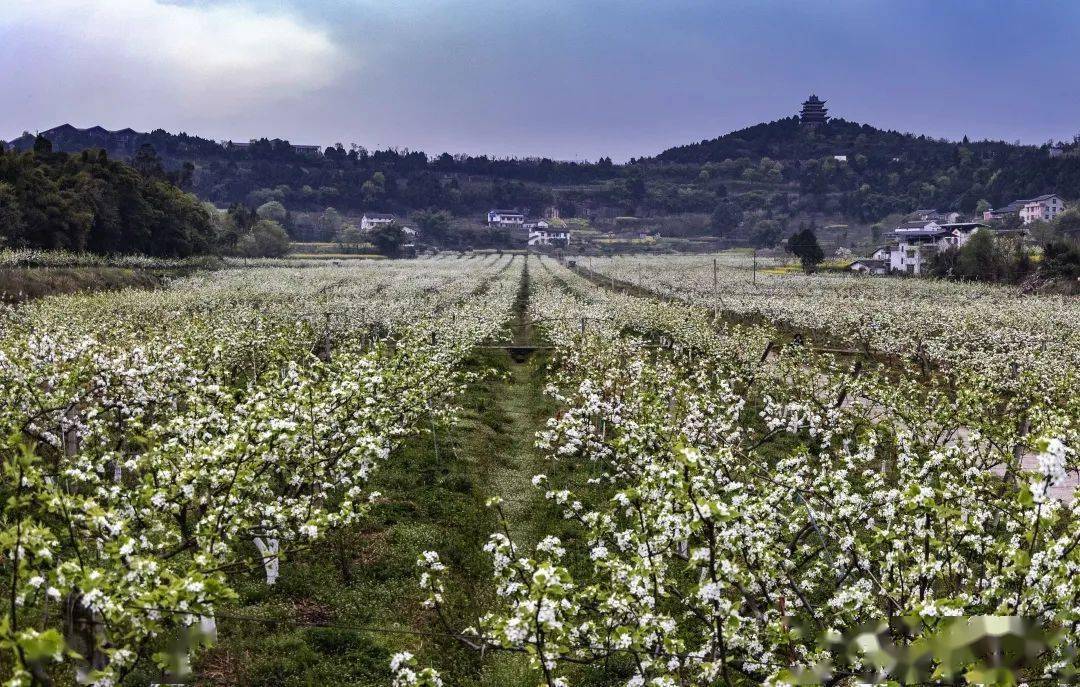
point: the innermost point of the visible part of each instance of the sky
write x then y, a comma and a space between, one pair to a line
556, 78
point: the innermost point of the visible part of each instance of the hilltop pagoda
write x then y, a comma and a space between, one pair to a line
813, 112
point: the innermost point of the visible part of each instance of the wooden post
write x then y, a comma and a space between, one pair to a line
583, 326
755, 267
326, 339
715, 291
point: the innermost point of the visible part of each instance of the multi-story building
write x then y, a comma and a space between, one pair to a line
813, 113
505, 218
1045, 207
918, 242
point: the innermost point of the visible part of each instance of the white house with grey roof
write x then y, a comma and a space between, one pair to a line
505, 218
370, 220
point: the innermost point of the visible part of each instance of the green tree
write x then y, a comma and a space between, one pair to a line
374, 188
12, 224
635, 185
1042, 232
267, 239
387, 239
1061, 260
350, 239
978, 258
725, 218
1068, 223
148, 163
804, 245
766, 234
435, 225
273, 210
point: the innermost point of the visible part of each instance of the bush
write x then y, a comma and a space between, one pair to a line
267, 239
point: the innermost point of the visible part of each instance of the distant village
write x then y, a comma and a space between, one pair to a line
533, 230
927, 233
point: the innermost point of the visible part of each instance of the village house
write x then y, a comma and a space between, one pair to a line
505, 218
918, 242
541, 233
931, 215
549, 236
870, 266
370, 220
1045, 207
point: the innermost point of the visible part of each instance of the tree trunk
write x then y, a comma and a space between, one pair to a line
268, 549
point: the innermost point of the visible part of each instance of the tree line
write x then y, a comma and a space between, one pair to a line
89, 202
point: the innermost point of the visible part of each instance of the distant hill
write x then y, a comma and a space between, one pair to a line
763, 178
787, 139
121, 144
878, 171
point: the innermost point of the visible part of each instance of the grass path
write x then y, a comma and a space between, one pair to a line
524, 409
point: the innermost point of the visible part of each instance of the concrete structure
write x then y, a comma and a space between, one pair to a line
370, 220
549, 236
870, 266
505, 218
918, 242
1045, 207
930, 215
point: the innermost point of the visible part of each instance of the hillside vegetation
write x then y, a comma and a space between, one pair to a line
755, 186
88, 202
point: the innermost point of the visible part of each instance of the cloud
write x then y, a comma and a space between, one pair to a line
192, 56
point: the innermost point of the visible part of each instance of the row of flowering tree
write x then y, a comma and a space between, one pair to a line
753, 513
154, 441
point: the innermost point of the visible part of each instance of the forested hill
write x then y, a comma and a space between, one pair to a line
787, 139
920, 170
779, 172
89, 202
305, 177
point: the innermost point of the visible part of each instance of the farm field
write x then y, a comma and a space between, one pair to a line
498, 470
